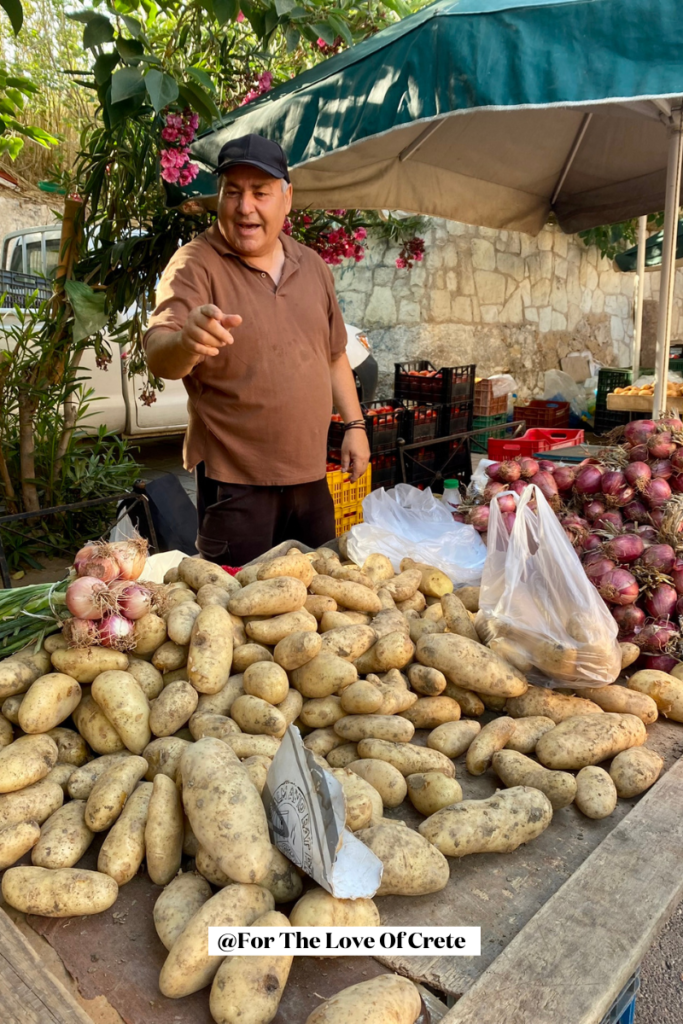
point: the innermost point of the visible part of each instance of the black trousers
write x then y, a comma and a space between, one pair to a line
238, 522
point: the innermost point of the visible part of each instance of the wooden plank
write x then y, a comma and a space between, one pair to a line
640, 403
502, 892
574, 957
29, 994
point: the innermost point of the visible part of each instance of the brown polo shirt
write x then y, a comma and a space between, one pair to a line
259, 411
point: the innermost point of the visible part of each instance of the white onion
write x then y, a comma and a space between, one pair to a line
87, 598
134, 601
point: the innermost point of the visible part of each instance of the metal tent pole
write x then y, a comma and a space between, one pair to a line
666, 286
640, 293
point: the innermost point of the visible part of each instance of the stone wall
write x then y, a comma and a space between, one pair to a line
500, 299
18, 212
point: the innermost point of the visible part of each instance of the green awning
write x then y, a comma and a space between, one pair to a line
628, 261
493, 112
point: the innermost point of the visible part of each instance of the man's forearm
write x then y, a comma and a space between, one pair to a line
166, 357
344, 393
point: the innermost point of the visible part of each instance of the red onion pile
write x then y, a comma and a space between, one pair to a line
104, 599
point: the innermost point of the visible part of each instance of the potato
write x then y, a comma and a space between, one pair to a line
176, 598
497, 825
425, 627
61, 773
349, 642
95, 727
390, 620
469, 597
126, 707
540, 702
384, 777
361, 698
218, 726
82, 780
416, 603
173, 708
225, 809
249, 574
470, 702
149, 634
178, 903
239, 633
408, 759
453, 738
48, 701
378, 568
428, 792
85, 665
491, 738
221, 702
318, 908
256, 768
412, 866
596, 794
251, 746
296, 566
26, 761
269, 597
249, 654
273, 630
353, 596
290, 707
428, 681
197, 572
622, 700
396, 696
361, 801
211, 594
267, 681
10, 710
317, 605
470, 665
666, 691
527, 732
64, 837
66, 892
395, 650
164, 831
387, 999
350, 574
322, 741
589, 739
321, 712
434, 582
163, 756
56, 642
33, 803
403, 586
16, 840
111, 791
323, 675
257, 716
430, 712
457, 617
170, 657
635, 770
188, 966
343, 756
629, 654
515, 769
20, 670
383, 727
210, 654
179, 622
433, 611
248, 989
148, 678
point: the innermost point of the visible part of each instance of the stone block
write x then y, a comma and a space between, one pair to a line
451, 281
353, 306
476, 311
545, 316
409, 312
515, 243
560, 243
558, 321
381, 308
540, 292
466, 278
511, 265
454, 227
512, 312
440, 305
531, 314
573, 285
561, 268
574, 316
558, 296
450, 257
490, 287
461, 309
483, 254
490, 314
616, 328
598, 301
544, 240
384, 276
609, 282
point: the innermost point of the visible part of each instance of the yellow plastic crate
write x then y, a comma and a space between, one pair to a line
345, 518
348, 498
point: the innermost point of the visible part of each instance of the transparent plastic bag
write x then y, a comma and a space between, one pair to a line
538, 608
408, 523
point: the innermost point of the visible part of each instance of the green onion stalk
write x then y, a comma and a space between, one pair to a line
29, 614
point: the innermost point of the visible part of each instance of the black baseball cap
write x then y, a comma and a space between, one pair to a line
255, 151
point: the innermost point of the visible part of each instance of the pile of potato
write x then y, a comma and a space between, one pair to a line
167, 749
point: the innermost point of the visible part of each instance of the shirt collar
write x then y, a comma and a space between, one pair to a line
216, 240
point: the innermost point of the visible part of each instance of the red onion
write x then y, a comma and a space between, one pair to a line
618, 587
546, 466
509, 520
564, 477
117, 632
629, 617
625, 548
656, 492
677, 575
576, 521
594, 509
639, 454
657, 517
612, 481
592, 543
87, 598
80, 633
102, 567
679, 606
588, 480
595, 555
85, 553
509, 471
638, 474
131, 556
671, 423
661, 446
659, 663
654, 638
648, 533
528, 467
610, 519
478, 517
493, 489
636, 512
660, 557
597, 571
134, 601
519, 487
546, 484
676, 483
677, 460
638, 431
625, 496
662, 469
661, 602
492, 470
458, 518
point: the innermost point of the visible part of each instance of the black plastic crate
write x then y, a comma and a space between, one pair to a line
22, 290
383, 421
622, 1010
456, 417
607, 419
384, 469
420, 422
421, 381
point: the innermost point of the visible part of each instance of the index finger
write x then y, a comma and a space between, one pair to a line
211, 311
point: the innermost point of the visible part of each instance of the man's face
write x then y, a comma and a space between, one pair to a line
251, 209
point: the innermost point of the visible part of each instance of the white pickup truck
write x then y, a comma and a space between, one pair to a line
29, 259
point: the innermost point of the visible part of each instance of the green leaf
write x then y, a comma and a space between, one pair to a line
129, 49
341, 28
256, 18
15, 97
11, 144
271, 20
203, 78
14, 12
225, 10
148, 58
200, 101
161, 88
325, 31
298, 12
83, 16
88, 307
98, 30
28, 87
127, 82
104, 66
133, 25
284, 6
292, 38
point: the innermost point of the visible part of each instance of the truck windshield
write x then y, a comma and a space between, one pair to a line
34, 262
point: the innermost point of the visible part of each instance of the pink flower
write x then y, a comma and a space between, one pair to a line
188, 174
169, 134
265, 81
170, 174
419, 256
240, 16
359, 234
401, 263
307, 220
322, 44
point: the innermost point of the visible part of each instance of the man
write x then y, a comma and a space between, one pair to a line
248, 318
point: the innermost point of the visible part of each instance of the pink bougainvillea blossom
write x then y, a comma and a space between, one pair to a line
413, 251
264, 83
179, 132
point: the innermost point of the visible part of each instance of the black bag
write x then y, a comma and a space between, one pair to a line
173, 515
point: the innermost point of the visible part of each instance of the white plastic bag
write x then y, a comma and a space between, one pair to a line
408, 523
539, 609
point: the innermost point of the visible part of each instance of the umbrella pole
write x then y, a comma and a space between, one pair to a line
640, 292
666, 286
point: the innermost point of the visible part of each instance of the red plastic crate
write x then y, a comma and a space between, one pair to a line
535, 440
484, 402
543, 414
